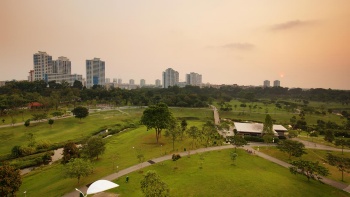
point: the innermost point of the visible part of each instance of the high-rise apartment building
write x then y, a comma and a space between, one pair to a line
194, 79
157, 83
61, 66
276, 83
266, 83
42, 65
142, 82
170, 78
31, 76
132, 82
95, 72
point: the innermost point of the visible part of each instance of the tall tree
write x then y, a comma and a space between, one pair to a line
183, 127
312, 170
238, 141
77, 168
10, 180
268, 133
156, 117
70, 150
293, 148
173, 131
329, 136
94, 147
153, 186
208, 132
194, 133
342, 163
80, 112
342, 142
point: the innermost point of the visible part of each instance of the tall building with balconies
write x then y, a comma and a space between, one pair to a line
157, 83
42, 65
95, 72
194, 79
61, 66
142, 82
170, 78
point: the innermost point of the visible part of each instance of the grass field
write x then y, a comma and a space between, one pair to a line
250, 176
312, 155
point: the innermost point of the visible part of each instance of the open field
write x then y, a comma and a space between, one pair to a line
312, 155
50, 180
250, 176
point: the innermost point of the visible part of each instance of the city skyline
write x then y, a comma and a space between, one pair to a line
302, 44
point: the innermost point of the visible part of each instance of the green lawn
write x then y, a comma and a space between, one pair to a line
312, 155
250, 176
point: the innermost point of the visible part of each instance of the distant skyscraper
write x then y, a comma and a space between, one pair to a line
61, 66
95, 72
42, 65
142, 82
194, 79
120, 81
31, 76
115, 80
266, 83
108, 80
276, 83
131, 82
170, 78
158, 83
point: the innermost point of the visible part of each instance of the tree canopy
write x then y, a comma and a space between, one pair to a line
153, 186
80, 112
10, 180
293, 148
309, 169
94, 147
77, 168
156, 117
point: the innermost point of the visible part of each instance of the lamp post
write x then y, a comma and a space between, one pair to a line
80, 192
25, 193
161, 149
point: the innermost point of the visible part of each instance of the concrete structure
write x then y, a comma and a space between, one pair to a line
256, 129
95, 72
31, 76
120, 81
59, 78
170, 78
42, 65
108, 80
194, 79
266, 83
61, 66
157, 83
132, 82
276, 83
142, 83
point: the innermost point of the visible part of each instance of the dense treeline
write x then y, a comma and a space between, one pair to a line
52, 95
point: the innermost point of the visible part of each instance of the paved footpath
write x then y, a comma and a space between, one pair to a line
137, 167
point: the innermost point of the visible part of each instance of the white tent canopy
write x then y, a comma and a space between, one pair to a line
100, 186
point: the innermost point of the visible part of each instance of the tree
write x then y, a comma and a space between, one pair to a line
342, 163
312, 170
51, 121
153, 186
94, 147
342, 142
80, 112
268, 129
293, 148
233, 156
183, 127
156, 117
27, 123
173, 131
70, 151
238, 141
77, 168
10, 180
208, 132
329, 136
194, 133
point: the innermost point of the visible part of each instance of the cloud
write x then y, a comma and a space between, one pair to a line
238, 46
291, 25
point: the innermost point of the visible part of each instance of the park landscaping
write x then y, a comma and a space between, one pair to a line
212, 174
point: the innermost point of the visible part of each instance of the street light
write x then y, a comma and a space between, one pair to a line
80, 192
25, 193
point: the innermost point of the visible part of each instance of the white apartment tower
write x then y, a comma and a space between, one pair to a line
266, 83
42, 65
132, 82
194, 79
95, 72
61, 66
276, 83
157, 83
142, 82
170, 78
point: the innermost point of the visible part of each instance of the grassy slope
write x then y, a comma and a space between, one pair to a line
251, 176
312, 155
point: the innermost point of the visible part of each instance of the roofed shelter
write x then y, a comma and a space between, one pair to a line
256, 129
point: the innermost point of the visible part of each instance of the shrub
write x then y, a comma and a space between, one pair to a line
292, 134
175, 157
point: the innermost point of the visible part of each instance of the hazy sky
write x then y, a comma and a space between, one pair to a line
303, 43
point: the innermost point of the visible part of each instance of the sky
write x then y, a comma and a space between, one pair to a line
302, 43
